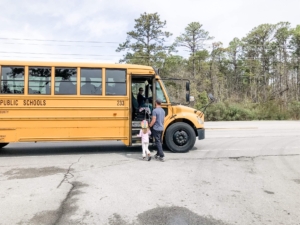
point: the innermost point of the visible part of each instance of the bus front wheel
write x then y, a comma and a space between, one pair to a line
3, 144
180, 137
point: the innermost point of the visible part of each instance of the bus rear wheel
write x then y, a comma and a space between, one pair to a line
180, 137
3, 144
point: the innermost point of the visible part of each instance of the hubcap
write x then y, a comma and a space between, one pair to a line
180, 137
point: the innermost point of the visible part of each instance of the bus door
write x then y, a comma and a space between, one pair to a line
141, 104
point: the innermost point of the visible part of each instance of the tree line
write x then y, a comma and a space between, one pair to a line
255, 77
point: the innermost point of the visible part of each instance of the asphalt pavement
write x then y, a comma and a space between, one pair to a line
242, 173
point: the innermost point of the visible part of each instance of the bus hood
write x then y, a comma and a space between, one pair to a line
181, 109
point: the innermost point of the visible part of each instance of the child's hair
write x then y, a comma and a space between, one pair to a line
145, 130
144, 124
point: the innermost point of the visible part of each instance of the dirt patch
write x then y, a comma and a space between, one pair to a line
167, 216
116, 219
62, 215
20, 173
44, 217
269, 192
297, 181
175, 216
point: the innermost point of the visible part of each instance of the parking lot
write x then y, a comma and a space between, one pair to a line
242, 173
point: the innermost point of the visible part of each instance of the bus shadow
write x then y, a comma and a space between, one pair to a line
69, 148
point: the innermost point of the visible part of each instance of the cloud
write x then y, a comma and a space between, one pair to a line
109, 21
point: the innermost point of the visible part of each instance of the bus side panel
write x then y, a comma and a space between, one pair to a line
63, 119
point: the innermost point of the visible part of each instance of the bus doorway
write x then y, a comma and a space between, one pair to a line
142, 104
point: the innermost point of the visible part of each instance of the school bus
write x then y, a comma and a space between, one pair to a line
61, 101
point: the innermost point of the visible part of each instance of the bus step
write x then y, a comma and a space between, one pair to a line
136, 144
136, 124
135, 132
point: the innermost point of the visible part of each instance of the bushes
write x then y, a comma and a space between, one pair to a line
272, 110
294, 110
228, 112
202, 100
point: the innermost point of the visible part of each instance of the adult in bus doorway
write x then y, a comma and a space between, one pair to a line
157, 125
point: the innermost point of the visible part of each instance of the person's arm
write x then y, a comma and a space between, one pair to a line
140, 134
152, 121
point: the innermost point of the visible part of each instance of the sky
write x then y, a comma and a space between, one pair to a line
91, 30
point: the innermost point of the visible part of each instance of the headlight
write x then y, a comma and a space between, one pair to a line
200, 121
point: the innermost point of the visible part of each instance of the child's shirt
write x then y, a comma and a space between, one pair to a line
145, 137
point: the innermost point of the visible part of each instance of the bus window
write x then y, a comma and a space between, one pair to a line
115, 82
12, 80
65, 81
160, 93
90, 81
39, 81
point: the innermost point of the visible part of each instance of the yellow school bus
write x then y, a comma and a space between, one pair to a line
61, 101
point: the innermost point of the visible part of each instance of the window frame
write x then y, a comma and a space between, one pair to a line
84, 82
115, 82
70, 82
50, 80
1, 79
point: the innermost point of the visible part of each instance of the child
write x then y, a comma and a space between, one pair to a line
144, 134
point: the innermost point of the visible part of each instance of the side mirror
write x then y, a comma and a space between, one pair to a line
187, 86
156, 71
187, 97
211, 97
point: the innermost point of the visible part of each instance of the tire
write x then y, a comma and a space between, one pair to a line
180, 137
3, 144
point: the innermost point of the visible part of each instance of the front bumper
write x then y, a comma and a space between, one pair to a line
201, 134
